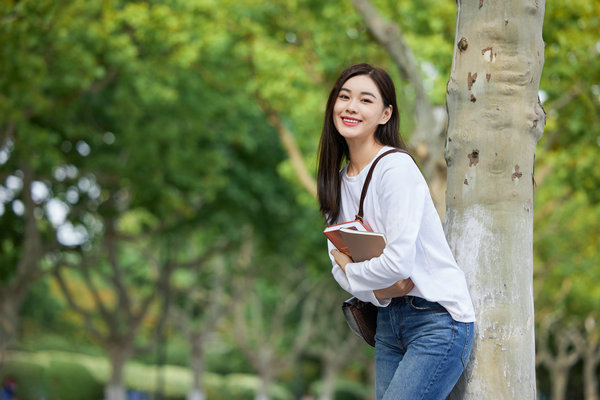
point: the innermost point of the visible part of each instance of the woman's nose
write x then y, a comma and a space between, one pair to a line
351, 106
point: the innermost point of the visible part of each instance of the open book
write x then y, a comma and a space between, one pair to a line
355, 240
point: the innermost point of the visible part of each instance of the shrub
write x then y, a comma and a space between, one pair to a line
69, 381
344, 390
241, 387
29, 377
56, 380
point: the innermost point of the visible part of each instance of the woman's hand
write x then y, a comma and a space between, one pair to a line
398, 289
341, 259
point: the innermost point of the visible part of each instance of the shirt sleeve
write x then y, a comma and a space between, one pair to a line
401, 193
339, 275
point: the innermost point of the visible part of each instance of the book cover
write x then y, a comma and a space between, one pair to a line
355, 240
363, 245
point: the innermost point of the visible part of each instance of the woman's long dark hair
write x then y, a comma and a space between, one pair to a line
333, 149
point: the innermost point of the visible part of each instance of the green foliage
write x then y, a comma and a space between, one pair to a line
567, 203
41, 308
223, 358
58, 379
571, 73
566, 241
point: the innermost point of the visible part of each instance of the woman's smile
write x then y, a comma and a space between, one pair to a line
348, 121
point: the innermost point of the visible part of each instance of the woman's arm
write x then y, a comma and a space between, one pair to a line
398, 289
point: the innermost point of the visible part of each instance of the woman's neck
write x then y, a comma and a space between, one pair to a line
361, 154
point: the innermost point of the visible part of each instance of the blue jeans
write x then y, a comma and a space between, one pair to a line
420, 351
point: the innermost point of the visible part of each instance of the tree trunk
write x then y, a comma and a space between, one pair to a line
263, 390
197, 364
196, 394
558, 356
495, 121
15, 290
329, 377
590, 378
560, 378
9, 321
114, 392
115, 388
588, 344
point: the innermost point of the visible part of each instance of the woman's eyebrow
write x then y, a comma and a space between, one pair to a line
367, 93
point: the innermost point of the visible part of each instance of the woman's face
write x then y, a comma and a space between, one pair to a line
359, 109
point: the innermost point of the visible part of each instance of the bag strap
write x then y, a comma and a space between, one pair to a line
359, 216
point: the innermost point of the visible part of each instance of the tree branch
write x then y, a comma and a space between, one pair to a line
289, 143
85, 267
117, 279
87, 316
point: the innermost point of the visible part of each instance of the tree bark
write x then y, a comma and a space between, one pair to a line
197, 366
495, 121
590, 374
329, 376
9, 321
118, 355
265, 385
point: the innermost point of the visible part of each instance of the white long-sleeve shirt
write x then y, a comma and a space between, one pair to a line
398, 204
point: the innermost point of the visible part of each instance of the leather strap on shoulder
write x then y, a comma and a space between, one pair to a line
363, 194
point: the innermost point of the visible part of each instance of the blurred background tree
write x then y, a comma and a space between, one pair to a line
137, 137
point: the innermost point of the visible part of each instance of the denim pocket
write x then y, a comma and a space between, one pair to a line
466, 353
420, 304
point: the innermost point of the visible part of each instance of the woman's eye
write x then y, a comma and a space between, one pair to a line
343, 96
367, 100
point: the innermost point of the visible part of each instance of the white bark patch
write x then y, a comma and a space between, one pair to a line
492, 251
488, 54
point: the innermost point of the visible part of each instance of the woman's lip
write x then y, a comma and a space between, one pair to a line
350, 121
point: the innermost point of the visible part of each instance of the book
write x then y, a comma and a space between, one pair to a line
332, 232
355, 240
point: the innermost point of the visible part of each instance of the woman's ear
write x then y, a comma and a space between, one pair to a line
387, 114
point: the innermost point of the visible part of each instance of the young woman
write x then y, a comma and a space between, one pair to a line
425, 315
